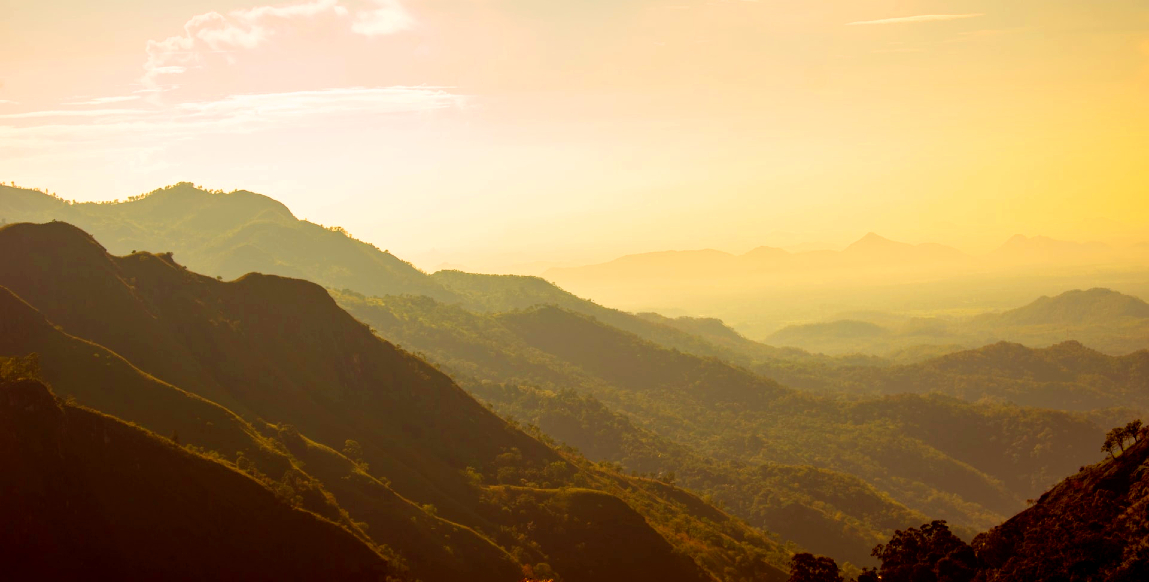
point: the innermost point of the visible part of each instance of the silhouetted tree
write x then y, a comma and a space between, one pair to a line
352, 450
1115, 438
810, 568
930, 553
1133, 430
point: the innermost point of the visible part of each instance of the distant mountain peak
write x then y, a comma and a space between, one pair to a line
1094, 305
872, 238
880, 247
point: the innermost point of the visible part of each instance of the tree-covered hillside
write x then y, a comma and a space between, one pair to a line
1066, 376
572, 375
1091, 526
227, 234
1103, 319
87, 496
354, 419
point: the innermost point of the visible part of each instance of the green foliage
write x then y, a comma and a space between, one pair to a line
806, 567
20, 368
1066, 376
654, 410
1091, 526
281, 350
929, 552
1103, 319
1117, 437
352, 450
228, 235
88, 496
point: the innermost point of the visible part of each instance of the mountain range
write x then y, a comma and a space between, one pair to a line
1104, 319
870, 251
268, 374
362, 396
767, 289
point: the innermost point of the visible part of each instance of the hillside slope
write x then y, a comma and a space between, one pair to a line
1091, 526
622, 399
1065, 376
86, 495
290, 362
97, 378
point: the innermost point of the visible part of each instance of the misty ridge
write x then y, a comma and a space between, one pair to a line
873, 287
492, 427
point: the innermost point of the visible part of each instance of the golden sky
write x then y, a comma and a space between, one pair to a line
488, 133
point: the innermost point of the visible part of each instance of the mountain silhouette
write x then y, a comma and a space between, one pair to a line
227, 235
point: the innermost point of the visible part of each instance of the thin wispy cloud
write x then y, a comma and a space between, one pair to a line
7, 102
249, 28
72, 113
914, 19
248, 113
103, 100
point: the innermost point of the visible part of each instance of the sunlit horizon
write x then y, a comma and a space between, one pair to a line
508, 136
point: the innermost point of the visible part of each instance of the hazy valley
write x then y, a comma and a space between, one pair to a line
483, 427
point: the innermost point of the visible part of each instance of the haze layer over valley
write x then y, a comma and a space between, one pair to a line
928, 290
891, 442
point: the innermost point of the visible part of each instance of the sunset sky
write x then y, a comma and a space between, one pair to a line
489, 133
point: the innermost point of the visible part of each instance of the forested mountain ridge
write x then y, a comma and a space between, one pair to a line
1090, 526
572, 375
88, 496
229, 235
277, 456
1103, 319
312, 379
1076, 307
509, 360
1065, 376
232, 234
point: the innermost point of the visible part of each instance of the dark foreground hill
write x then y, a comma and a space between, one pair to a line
297, 468
350, 418
1091, 527
86, 496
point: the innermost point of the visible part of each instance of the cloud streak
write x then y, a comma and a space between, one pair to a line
914, 19
103, 100
247, 113
249, 28
71, 113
